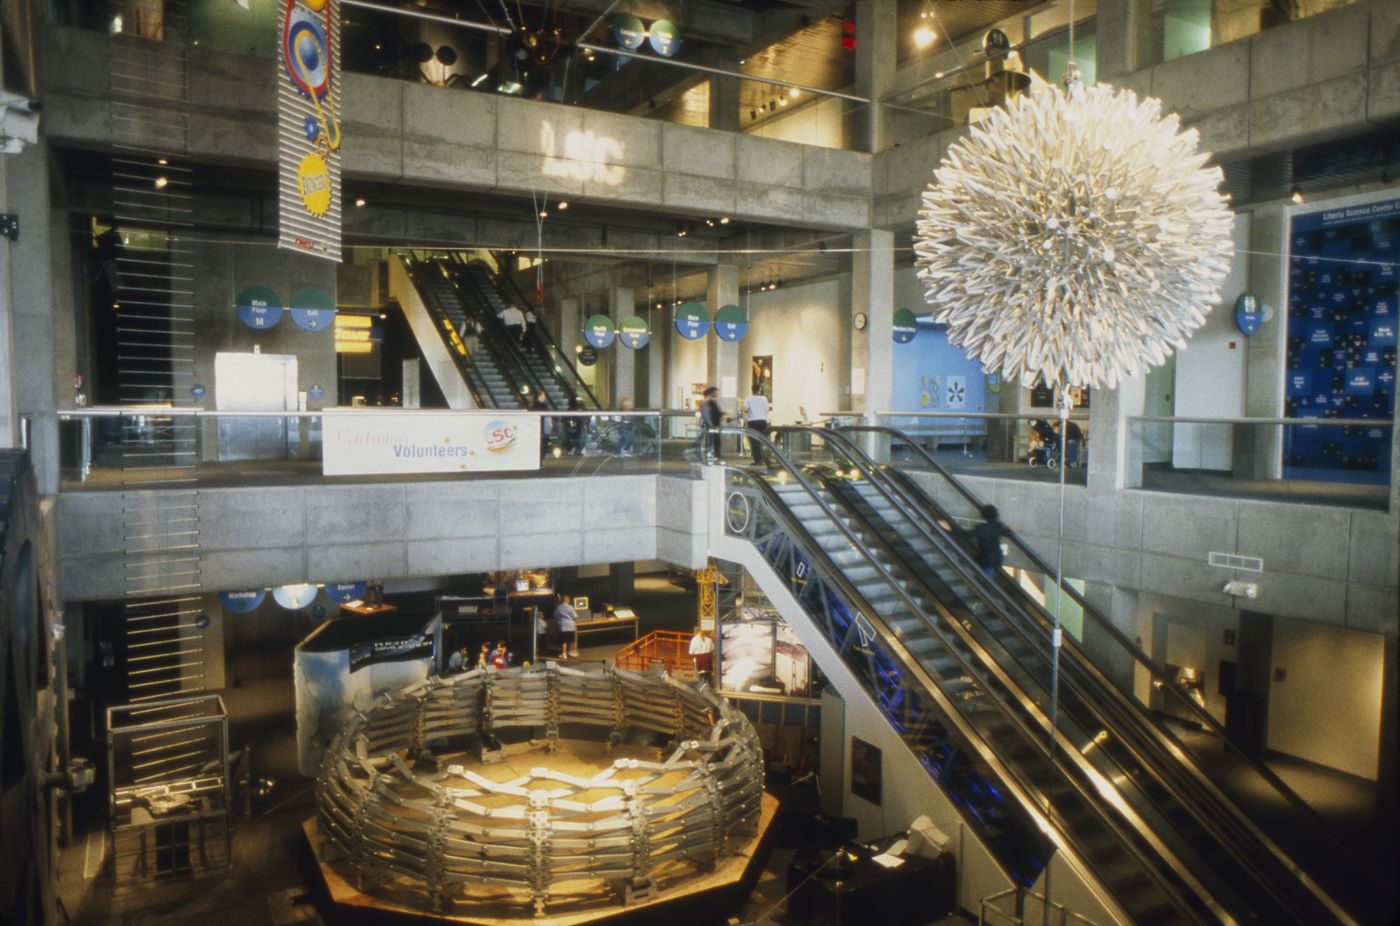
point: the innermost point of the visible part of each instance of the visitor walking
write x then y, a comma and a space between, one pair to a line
566, 622
756, 419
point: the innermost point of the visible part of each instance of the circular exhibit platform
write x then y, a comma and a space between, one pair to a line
550, 793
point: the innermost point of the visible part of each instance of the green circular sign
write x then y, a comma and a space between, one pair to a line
905, 326
692, 321
312, 309
628, 31
731, 323
665, 38
598, 331
632, 332
258, 307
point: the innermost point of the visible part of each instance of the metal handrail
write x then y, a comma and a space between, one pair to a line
1127, 714
1328, 422
465, 365
978, 743
1159, 674
172, 411
1017, 416
541, 333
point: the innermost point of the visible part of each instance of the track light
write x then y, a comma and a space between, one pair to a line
359, 202
1296, 195
562, 205
923, 37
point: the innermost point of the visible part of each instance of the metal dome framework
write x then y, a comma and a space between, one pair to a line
397, 815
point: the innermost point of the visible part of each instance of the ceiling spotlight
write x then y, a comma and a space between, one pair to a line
562, 205
923, 37
724, 220
782, 101
544, 213
162, 162
681, 233
1296, 195
383, 316
710, 223
162, 183
793, 92
480, 77
359, 202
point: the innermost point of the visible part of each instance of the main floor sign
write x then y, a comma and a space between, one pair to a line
360, 443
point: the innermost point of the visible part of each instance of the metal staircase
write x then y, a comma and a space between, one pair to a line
905, 605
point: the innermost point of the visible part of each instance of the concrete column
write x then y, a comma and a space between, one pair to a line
622, 361
1114, 456
622, 579
1120, 606
876, 52
35, 326
1124, 29
9, 411
872, 292
570, 325
722, 357
655, 358
724, 99
1259, 451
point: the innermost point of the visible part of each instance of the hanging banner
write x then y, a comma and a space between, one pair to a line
258, 307
313, 309
361, 443
731, 323
308, 128
598, 331
692, 321
665, 38
905, 326
242, 602
294, 597
633, 333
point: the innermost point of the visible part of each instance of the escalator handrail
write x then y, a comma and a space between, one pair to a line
1159, 675
414, 266
1197, 791
540, 332
462, 281
1038, 743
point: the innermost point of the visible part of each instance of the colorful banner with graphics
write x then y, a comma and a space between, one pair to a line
905, 326
598, 331
313, 309
395, 649
731, 323
308, 128
1343, 299
692, 321
633, 332
359, 443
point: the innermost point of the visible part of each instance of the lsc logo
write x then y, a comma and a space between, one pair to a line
500, 436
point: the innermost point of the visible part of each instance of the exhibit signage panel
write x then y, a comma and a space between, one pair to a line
377, 443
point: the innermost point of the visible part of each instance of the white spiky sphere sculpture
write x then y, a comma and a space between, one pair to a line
1075, 235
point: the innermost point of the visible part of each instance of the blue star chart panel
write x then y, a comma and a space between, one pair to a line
1343, 280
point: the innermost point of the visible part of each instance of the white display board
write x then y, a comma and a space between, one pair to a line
358, 443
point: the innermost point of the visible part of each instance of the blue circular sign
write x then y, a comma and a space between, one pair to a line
598, 331
258, 307
692, 321
905, 326
343, 592
315, 393
731, 323
197, 391
312, 309
242, 602
1249, 314
628, 31
665, 38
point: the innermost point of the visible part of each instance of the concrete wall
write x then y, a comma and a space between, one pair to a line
1332, 565
397, 131
806, 329
257, 537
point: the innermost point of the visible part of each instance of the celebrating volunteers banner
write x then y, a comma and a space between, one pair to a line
377, 443
308, 128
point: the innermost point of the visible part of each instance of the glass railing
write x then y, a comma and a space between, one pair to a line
705, 82
1004, 446
155, 446
1185, 27
1331, 461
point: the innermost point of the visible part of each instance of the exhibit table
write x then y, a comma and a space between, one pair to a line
615, 622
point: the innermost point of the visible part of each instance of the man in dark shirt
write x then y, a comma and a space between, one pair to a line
987, 536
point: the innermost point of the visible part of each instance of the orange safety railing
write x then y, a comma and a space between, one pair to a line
660, 649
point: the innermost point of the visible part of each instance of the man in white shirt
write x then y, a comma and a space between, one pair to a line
514, 320
756, 419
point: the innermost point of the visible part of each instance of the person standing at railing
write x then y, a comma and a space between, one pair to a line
541, 404
566, 622
711, 420
756, 419
626, 428
702, 649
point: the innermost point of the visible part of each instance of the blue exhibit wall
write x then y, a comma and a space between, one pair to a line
1343, 287
922, 371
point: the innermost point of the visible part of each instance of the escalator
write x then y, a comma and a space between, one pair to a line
960, 667
437, 318
535, 360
